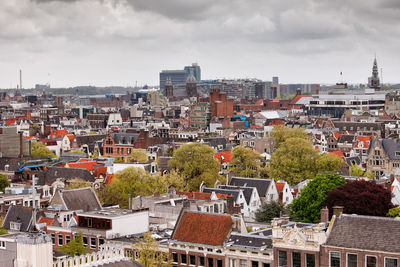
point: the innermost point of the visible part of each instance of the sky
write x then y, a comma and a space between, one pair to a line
123, 42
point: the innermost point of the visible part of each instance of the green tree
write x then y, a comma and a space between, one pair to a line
77, 183
357, 171
173, 178
134, 181
138, 155
308, 205
269, 211
74, 247
149, 253
40, 150
76, 151
3, 183
394, 212
280, 134
196, 163
95, 154
294, 161
246, 162
329, 162
3, 231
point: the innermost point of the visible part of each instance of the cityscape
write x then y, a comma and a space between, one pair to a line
199, 133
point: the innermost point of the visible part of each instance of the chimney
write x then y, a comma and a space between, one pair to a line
21, 145
298, 91
229, 204
186, 204
337, 210
324, 215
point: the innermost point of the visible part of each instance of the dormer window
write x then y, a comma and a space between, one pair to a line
397, 153
15, 226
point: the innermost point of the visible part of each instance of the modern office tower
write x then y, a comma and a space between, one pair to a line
194, 70
176, 77
275, 80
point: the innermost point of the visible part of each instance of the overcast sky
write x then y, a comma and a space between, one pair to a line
119, 42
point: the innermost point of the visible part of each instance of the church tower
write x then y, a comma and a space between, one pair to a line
191, 86
373, 81
169, 88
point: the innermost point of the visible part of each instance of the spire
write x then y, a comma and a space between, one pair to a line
373, 81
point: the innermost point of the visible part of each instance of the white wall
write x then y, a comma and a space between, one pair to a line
34, 254
129, 224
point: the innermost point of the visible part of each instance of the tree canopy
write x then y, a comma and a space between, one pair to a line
281, 134
361, 197
269, 211
138, 155
77, 183
3, 182
356, 171
149, 253
308, 205
394, 212
38, 149
246, 162
196, 163
74, 247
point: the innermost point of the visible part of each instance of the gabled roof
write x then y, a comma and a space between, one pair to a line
337, 153
19, 214
260, 184
202, 228
51, 175
234, 193
200, 195
247, 191
89, 165
249, 241
366, 233
77, 199
280, 186
391, 148
223, 156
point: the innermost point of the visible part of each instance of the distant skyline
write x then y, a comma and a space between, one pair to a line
120, 42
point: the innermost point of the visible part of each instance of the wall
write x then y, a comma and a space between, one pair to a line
135, 223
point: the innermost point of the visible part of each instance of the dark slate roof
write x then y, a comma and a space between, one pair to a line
80, 199
249, 241
125, 138
19, 214
51, 175
164, 163
123, 263
391, 147
260, 184
89, 139
234, 193
340, 124
346, 138
16, 163
264, 232
366, 232
247, 191
215, 141
353, 160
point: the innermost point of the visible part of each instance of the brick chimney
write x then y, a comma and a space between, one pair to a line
337, 210
324, 215
230, 204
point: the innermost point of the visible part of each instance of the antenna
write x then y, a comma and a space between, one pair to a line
382, 76
20, 79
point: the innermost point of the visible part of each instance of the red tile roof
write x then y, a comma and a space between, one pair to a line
260, 102
46, 220
337, 153
109, 179
83, 165
200, 195
70, 137
203, 228
227, 156
58, 133
297, 98
280, 186
100, 171
336, 135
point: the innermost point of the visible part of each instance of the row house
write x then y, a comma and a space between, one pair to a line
261, 145
239, 198
266, 188
383, 157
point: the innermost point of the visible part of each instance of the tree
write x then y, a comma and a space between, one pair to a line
95, 154
294, 161
269, 211
149, 253
246, 162
74, 247
361, 197
329, 162
3, 183
3, 231
280, 134
173, 178
196, 163
138, 155
308, 205
77, 183
134, 181
394, 212
356, 171
40, 150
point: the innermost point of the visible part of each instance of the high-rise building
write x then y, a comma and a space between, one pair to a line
177, 77
373, 81
275, 80
194, 70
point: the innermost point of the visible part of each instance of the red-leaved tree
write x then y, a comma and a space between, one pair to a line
362, 198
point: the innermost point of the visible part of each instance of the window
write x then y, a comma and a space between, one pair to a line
93, 243
53, 239
351, 260
232, 263
310, 260
254, 263
243, 263
391, 262
371, 261
192, 260
174, 257
101, 241
67, 239
219, 263
266, 265
282, 259
60, 240
89, 222
85, 241
210, 262
201, 261
183, 259
2, 244
334, 259
296, 259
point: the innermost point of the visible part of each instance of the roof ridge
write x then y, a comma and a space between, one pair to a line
369, 217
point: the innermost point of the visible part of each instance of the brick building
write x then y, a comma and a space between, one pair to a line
220, 105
